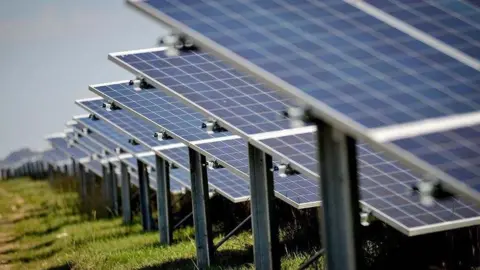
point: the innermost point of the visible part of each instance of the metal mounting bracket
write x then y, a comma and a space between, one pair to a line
162, 135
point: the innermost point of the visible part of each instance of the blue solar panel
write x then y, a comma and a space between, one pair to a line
456, 152
62, 145
337, 55
107, 131
451, 21
214, 87
222, 180
297, 190
385, 186
104, 143
89, 144
95, 167
158, 108
127, 123
179, 156
181, 175
53, 156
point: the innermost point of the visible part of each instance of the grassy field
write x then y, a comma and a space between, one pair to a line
41, 228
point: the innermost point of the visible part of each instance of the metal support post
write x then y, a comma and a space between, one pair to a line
126, 194
51, 174
113, 188
144, 196
106, 189
65, 169
74, 168
339, 189
201, 215
83, 182
232, 232
163, 201
262, 200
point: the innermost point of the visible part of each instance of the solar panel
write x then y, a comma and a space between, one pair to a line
351, 69
159, 108
456, 152
95, 167
297, 190
100, 140
337, 54
453, 22
213, 87
386, 187
127, 123
222, 181
88, 144
179, 156
104, 129
61, 144
55, 156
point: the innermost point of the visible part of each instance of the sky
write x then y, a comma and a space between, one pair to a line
50, 51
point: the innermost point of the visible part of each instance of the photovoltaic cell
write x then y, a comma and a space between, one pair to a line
181, 175
179, 156
338, 55
95, 167
185, 120
453, 22
103, 128
128, 123
104, 143
158, 108
214, 87
222, 180
88, 143
456, 152
386, 187
297, 190
53, 156
62, 145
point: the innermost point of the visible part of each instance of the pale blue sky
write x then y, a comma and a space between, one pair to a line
50, 51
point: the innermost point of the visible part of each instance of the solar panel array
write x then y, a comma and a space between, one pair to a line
354, 67
364, 66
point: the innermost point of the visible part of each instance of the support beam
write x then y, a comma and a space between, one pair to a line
144, 187
65, 169
74, 168
201, 215
185, 218
113, 188
163, 201
51, 174
126, 194
339, 189
262, 200
232, 232
106, 187
311, 260
83, 181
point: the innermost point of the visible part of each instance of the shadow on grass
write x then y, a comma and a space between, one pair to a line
50, 230
66, 266
9, 251
34, 257
43, 245
222, 259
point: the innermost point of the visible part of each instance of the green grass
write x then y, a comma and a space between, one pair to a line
42, 228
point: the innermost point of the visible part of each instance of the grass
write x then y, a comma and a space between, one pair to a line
42, 228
